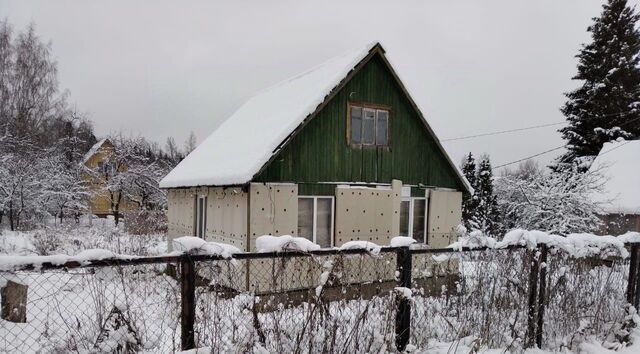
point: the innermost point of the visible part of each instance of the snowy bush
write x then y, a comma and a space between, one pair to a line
145, 222
557, 202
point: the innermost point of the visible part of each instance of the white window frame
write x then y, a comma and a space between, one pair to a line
315, 213
411, 201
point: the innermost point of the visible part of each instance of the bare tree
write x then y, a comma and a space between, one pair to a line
190, 144
172, 150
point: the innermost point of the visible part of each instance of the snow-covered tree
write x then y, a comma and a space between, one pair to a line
480, 210
607, 104
487, 213
132, 173
142, 173
555, 202
64, 191
469, 201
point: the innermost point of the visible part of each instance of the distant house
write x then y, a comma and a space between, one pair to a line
100, 160
620, 162
338, 153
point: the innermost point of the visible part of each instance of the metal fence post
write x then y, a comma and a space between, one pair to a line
187, 302
403, 314
534, 276
632, 284
542, 293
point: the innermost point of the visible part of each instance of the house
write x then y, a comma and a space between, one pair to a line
620, 163
338, 153
99, 159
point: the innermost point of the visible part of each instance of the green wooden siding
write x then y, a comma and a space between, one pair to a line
320, 153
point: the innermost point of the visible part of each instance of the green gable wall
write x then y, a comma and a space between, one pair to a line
320, 153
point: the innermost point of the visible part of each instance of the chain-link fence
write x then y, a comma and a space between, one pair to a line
111, 307
326, 301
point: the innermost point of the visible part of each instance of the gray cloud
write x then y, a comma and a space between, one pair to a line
164, 68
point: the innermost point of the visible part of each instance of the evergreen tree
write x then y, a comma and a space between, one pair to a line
487, 212
480, 210
469, 202
607, 105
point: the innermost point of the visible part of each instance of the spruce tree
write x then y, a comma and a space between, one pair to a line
469, 201
607, 105
487, 213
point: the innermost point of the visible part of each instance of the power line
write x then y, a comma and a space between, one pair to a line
504, 131
560, 147
620, 114
528, 157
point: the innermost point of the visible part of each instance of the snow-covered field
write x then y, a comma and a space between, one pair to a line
90, 310
71, 239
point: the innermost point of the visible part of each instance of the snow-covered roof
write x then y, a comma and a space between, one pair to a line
620, 162
93, 150
245, 142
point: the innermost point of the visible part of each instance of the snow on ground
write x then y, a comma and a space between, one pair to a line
67, 310
71, 239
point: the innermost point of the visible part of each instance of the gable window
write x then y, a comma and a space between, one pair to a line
200, 219
315, 219
413, 213
368, 125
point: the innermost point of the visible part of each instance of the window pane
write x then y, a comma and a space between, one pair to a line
356, 125
356, 111
356, 130
404, 218
368, 127
204, 217
419, 208
382, 128
305, 218
200, 216
323, 222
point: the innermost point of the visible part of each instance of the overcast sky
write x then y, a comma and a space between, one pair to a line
164, 68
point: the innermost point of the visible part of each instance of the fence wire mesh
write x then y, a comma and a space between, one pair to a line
325, 302
482, 294
101, 309
585, 297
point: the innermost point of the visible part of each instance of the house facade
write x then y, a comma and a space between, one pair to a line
99, 159
338, 153
620, 197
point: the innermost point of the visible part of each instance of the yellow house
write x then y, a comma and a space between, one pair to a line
102, 202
